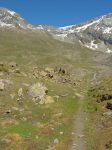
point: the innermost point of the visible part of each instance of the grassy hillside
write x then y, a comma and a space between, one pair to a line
27, 46
27, 58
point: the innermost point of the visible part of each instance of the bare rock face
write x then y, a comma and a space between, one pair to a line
37, 91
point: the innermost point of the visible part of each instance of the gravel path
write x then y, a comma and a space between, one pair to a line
78, 133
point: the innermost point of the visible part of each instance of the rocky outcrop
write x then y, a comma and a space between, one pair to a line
37, 91
102, 91
109, 106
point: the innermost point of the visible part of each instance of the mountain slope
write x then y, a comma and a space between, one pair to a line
95, 34
55, 63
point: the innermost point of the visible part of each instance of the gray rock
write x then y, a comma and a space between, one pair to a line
6, 81
37, 91
51, 148
2, 86
109, 114
13, 64
17, 71
56, 141
20, 92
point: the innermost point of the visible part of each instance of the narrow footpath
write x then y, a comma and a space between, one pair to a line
78, 142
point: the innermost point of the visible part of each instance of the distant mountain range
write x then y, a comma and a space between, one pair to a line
95, 34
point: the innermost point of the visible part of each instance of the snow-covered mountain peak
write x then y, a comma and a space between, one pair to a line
95, 34
11, 19
5, 10
84, 26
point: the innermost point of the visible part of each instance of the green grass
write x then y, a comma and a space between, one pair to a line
97, 137
29, 129
40, 50
23, 129
69, 105
90, 108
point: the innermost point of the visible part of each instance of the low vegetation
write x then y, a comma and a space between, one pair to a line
35, 116
99, 123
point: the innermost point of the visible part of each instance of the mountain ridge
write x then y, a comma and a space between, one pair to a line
95, 34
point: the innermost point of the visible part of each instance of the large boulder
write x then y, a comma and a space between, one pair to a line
38, 91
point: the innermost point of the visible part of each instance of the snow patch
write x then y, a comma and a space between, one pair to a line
39, 27
71, 31
23, 27
11, 12
76, 29
108, 51
84, 27
49, 30
97, 28
66, 27
2, 24
91, 45
61, 35
107, 30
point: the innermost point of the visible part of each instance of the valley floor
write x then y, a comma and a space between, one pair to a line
49, 109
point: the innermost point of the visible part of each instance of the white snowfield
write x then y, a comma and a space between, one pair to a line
108, 51
91, 45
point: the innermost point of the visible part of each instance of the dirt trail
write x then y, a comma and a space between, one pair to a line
78, 133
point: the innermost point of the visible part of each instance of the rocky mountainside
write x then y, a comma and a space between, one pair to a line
11, 19
95, 34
